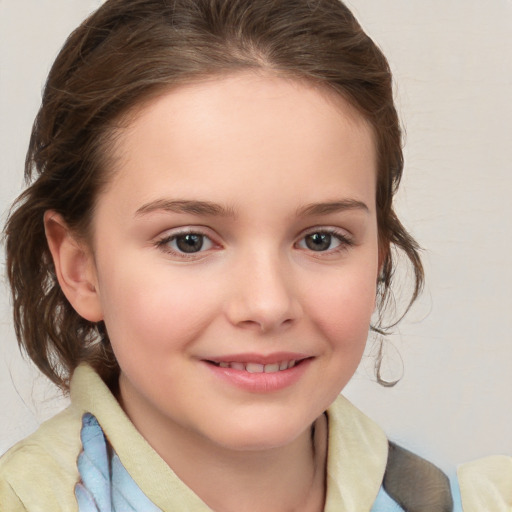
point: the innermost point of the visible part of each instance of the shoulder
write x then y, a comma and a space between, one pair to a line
417, 485
39, 473
366, 471
486, 484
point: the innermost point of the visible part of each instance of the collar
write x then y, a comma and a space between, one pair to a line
356, 460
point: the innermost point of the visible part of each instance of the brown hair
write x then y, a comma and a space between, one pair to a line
129, 50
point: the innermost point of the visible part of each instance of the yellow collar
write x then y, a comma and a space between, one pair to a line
356, 459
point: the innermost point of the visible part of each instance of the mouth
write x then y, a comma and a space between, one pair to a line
256, 373
252, 367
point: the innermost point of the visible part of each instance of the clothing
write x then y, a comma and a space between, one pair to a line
41, 472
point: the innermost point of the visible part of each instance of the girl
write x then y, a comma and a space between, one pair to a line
210, 228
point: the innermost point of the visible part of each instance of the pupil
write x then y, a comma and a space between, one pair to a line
318, 241
189, 243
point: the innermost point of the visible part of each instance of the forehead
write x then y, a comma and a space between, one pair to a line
266, 130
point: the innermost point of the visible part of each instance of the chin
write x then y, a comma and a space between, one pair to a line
260, 435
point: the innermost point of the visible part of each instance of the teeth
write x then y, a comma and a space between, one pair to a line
254, 368
258, 368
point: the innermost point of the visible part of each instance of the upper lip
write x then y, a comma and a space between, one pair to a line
264, 359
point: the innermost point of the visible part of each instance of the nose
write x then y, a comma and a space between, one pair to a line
263, 294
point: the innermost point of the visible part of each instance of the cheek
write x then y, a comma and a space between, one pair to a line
150, 313
343, 310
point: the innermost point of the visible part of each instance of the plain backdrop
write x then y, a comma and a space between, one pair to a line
452, 62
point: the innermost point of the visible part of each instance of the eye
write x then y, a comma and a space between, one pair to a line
191, 242
185, 243
324, 241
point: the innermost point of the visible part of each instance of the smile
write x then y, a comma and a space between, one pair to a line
260, 374
257, 367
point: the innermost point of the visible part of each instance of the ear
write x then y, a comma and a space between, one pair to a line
74, 267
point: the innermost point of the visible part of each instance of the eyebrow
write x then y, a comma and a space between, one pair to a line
208, 208
183, 206
332, 207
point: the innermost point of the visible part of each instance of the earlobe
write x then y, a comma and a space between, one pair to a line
74, 267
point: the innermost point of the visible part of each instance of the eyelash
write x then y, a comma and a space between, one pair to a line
345, 241
163, 244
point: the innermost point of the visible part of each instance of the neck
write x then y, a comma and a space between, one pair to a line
288, 478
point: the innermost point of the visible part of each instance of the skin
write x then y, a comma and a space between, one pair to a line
262, 149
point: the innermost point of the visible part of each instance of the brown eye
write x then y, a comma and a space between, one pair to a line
189, 243
328, 241
319, 241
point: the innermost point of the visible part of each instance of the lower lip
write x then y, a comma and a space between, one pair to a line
261, 382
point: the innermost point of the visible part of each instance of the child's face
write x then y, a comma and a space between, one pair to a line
239, 229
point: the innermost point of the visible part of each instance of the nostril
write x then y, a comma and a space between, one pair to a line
262, 304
